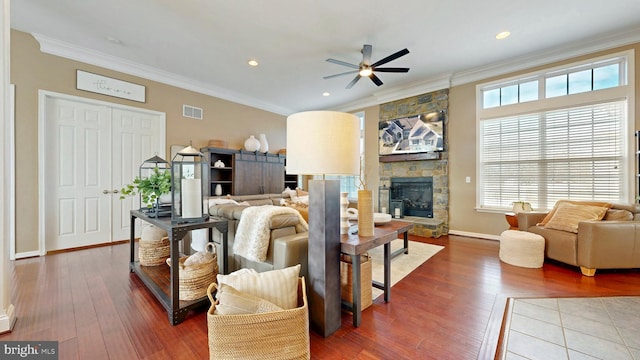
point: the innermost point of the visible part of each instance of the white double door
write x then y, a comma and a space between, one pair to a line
89, 151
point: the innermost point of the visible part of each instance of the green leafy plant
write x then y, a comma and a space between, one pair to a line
150, 188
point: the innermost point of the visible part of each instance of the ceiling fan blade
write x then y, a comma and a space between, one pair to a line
343, 63
344, 73
366, 54
391, 57
393, 70
375, 79
355, 80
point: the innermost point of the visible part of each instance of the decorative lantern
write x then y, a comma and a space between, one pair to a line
188, 170
152, 201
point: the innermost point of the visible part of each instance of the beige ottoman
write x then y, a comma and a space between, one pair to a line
521, 248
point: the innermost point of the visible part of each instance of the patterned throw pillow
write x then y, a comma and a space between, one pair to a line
567, 216
277, 286
559, 202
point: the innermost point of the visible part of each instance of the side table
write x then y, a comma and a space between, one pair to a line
162, 281
355, 245
512, 219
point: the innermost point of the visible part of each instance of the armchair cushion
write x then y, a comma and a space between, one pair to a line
567, 216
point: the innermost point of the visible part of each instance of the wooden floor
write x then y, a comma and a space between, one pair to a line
449, 308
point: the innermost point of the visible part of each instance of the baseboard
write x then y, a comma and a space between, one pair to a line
28, 254
7, 319
474, 235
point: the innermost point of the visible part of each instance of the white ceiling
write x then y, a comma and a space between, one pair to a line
204, 45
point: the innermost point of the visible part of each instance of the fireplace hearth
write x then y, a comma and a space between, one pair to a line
411, 196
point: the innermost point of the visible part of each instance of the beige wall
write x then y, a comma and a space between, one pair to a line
462, 152
32, 70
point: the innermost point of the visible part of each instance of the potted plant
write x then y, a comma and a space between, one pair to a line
521, 206
150, 188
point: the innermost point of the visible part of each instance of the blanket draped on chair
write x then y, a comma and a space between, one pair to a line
253, 233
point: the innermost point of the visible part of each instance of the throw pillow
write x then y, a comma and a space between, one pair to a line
618, 214
218, 201
301, 192
234, 302
555, 207
277, 286
567, 216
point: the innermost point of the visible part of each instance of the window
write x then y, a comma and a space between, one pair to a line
571, 142
573, 80
350, 184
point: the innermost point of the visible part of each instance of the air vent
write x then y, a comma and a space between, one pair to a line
191, 112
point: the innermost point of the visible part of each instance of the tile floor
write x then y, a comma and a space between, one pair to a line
574, 328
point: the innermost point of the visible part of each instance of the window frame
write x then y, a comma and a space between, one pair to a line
626, 90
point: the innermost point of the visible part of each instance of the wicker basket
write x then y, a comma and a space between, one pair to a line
194, 279
154, 252
346, 282
273, 335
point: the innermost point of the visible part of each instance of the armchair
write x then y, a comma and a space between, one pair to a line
610, 243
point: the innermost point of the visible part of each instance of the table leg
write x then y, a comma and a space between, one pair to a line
132, 242
225, 252
356, 290
406, 242
174, 300
387, 272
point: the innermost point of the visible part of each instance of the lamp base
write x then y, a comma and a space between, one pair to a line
324, 257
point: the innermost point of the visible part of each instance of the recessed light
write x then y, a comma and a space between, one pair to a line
503, 35
113, 40
253, 62
326, 93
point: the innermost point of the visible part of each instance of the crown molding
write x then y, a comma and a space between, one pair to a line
605, 42
70, 51
399, 92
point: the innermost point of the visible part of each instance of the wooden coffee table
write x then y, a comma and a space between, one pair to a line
355, 245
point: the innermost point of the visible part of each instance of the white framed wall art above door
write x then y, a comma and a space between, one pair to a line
87, 151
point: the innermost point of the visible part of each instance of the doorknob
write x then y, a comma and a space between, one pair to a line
106, 191
115, 191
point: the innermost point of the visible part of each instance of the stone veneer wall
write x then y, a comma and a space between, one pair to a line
437, 168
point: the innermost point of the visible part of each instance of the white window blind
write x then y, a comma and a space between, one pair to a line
574, 153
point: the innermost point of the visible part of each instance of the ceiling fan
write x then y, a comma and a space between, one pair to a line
367, 69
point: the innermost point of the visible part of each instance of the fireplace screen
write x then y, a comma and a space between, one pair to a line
414, 196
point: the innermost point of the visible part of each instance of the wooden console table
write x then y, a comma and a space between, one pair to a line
355, 245
163, 281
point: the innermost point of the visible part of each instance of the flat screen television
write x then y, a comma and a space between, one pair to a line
416, 134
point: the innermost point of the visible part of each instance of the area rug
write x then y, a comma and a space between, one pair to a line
401, 265
571, 328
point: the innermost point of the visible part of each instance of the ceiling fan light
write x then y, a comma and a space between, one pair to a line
365, 71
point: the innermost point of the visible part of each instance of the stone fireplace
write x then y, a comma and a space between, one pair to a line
411, 196
429, 220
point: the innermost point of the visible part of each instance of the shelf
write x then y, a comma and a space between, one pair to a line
163, 280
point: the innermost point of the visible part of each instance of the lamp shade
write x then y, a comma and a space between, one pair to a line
323, 143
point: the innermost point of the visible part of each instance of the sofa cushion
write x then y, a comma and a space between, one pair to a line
283, 221
567, 216
277, 286
559, 202
229, 211
559, 245
618, 214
